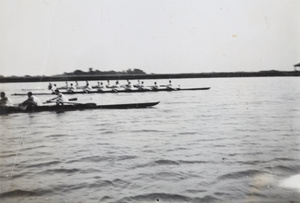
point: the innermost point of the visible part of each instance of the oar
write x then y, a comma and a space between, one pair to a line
82, 104
71, 99
75, 103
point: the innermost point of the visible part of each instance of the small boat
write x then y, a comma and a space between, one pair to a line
73, 107
121, 90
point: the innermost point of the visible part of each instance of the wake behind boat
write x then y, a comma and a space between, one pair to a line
73, 107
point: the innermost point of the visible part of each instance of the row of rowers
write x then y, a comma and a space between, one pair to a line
101, 86
32, 100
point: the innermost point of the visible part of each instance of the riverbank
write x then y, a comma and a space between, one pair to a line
272, 73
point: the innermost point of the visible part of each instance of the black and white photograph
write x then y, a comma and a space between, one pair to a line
149, 101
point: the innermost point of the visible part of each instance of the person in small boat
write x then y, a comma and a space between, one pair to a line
5, 101
72, 88
60, 98
31, 101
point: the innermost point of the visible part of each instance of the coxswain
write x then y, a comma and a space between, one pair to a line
5, 101
60, 98
31, 101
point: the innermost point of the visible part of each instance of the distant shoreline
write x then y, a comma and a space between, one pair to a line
271, 73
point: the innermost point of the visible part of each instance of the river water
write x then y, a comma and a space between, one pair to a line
237, 142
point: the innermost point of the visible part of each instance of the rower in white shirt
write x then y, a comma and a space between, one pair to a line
31, 101
155, 87
87, 87
169, 86
5, 101
53, 88
72, 88
60, 98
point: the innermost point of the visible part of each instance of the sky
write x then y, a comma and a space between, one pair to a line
47, 37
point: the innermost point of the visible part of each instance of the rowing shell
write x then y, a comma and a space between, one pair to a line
73, 107
103, 91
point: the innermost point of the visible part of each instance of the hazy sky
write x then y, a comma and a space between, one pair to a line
46, 37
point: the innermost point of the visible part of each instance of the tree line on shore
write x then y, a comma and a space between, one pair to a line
111, 72
77, 72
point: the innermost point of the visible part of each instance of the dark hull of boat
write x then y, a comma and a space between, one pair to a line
123, 91
8, 109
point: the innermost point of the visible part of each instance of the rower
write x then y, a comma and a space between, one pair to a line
117, 85
155, 86
31, 101
50, 86
138, 84
100, 85
141, 86
5, 101
71, 88
87, 87
169, 86
60, 98
108, 84
129, 86
53, 88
